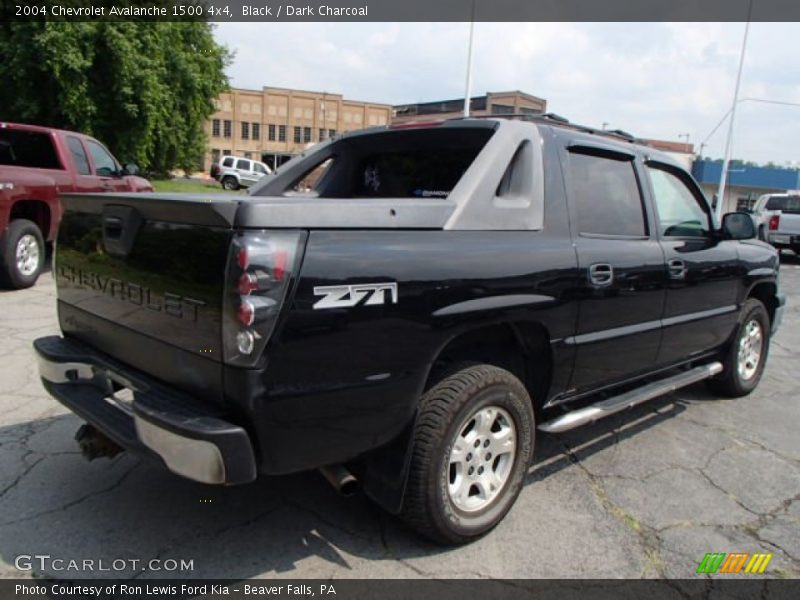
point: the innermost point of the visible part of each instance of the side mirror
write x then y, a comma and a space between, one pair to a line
738, 226
130, 169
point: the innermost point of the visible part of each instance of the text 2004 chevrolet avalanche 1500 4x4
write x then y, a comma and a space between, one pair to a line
443, 292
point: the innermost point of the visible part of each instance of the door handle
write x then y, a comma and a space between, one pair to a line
676, 268
601, 274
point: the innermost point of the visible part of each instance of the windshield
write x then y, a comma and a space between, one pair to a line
27, 149
787, 204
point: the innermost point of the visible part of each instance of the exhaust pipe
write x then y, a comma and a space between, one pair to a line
94, 444
342, 480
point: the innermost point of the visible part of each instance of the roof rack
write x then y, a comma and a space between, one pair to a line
559, 121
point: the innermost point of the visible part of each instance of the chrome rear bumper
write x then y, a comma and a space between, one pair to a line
191, 440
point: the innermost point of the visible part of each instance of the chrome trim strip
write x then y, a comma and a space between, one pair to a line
607, 334
696, 316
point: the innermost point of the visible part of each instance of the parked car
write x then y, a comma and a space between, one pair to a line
36, 165
234, 172
778, 219
443, 292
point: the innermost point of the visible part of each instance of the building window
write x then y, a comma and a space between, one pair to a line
256, 131
226, 129
271, 133
281, 133
297, 133
215, 128
331, 133
306, 134
321, 134
215, 155
245, 130
226, 153
248, 155
502, 109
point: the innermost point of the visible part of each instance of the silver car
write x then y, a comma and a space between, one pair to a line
236, 173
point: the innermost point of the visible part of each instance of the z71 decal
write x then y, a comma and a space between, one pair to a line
346, 296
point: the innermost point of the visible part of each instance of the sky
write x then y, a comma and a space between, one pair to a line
654, 80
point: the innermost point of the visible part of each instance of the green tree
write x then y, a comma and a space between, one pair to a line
143, 88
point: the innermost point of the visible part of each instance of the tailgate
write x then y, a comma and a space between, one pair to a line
789, 223
140, 278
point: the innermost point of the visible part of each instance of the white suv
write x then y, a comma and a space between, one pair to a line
236, 172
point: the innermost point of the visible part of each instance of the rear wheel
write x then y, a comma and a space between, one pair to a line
23, 254
230, 183
745, 359
473, 443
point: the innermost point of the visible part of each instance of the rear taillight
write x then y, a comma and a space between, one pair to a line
774, 222
260, 271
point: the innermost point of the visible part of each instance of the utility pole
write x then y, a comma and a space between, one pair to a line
685, 135
729, 141
468, 90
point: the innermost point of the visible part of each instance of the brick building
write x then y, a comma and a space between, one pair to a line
272, 124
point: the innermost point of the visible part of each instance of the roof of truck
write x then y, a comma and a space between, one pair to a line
38, 128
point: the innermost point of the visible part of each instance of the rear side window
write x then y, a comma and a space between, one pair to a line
787, 204
242, 164
27, 149
228, 162
406, 163
78, 154
606, 195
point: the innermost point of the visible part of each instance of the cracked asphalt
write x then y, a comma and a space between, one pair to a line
643, 494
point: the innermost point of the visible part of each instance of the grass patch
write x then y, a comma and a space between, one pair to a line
186, 185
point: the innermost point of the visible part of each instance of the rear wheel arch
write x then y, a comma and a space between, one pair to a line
36, 211
520, 347
488, 345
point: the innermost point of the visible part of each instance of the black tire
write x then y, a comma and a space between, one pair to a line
230, 183
731, 382
427, 505
10, 273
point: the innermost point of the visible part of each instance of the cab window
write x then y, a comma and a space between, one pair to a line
78, 155
606, 194
680, 212
104, 163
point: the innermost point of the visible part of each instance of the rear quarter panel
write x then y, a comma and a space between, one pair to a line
341, 381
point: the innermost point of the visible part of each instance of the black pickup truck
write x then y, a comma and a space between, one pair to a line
410, 320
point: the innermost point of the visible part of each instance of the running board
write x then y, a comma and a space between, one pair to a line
607, 407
